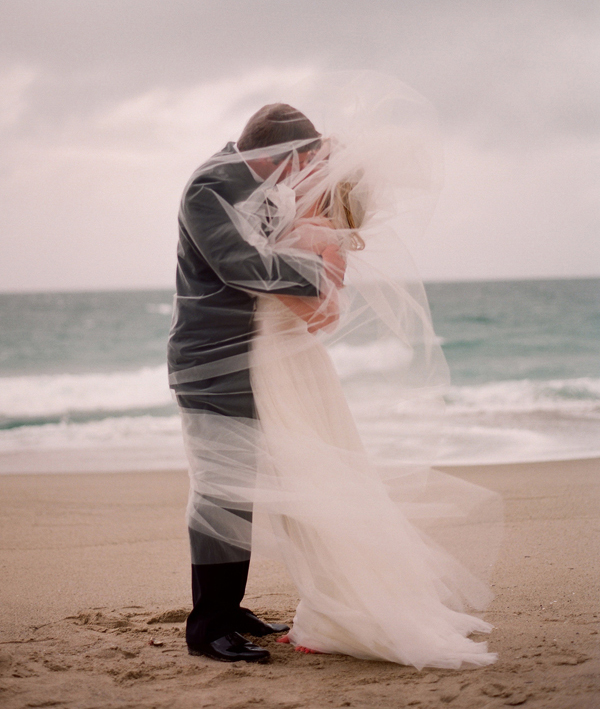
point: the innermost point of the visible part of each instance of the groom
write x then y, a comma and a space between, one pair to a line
213, 321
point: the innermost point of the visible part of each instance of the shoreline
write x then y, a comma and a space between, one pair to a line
84, 461
88, 559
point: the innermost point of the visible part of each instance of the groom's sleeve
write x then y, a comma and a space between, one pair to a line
205, 222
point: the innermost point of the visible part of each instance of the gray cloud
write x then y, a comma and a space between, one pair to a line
107, 107
517, 69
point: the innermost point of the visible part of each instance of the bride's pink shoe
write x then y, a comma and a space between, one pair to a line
298, 648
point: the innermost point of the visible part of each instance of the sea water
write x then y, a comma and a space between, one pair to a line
83, 380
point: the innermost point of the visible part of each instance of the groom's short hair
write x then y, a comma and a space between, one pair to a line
278, 123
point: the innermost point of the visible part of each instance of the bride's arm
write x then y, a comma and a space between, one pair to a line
317, 234
323, 311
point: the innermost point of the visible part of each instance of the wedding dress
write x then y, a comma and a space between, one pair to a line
370, 584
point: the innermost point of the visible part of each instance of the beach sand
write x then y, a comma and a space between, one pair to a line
95, 567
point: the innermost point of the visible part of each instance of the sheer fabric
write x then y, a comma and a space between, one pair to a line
373, 583
387, 554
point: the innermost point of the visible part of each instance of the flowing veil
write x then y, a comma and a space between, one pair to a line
364, 529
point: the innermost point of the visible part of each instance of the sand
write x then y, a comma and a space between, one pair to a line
95, 589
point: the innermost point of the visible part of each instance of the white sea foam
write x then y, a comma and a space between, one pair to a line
56, 395
146, 388
384, 356
61, 394
495, 422
122, 431
580, 396
112, 444
155, 442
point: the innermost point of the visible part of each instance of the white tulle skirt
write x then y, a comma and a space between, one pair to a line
371, 552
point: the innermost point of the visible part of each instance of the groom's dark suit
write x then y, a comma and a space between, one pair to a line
217, 274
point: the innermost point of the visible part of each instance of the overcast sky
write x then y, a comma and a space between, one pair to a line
107, 107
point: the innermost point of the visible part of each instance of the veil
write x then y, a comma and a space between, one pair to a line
257, 481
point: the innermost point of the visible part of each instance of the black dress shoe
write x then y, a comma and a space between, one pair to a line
249, 623
231, 648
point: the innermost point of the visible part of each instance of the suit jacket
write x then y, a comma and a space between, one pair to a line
218, 276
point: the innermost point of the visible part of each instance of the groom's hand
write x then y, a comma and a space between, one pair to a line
335, 265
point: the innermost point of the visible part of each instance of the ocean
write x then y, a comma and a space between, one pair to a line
83, 380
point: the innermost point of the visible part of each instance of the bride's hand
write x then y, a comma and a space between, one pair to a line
317, 234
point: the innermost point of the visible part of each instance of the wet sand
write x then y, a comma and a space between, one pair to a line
95, 566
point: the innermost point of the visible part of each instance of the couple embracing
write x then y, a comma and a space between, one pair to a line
286, 240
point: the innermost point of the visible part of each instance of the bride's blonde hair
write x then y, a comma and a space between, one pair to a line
346, 210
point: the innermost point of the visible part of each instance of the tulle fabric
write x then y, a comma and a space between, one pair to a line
360, 548
388, 555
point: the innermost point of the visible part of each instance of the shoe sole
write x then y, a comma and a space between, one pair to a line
199, 653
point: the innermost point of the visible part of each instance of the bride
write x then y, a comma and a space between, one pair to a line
388, 556
370, 585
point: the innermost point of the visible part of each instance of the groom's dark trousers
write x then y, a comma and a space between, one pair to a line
217, 589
